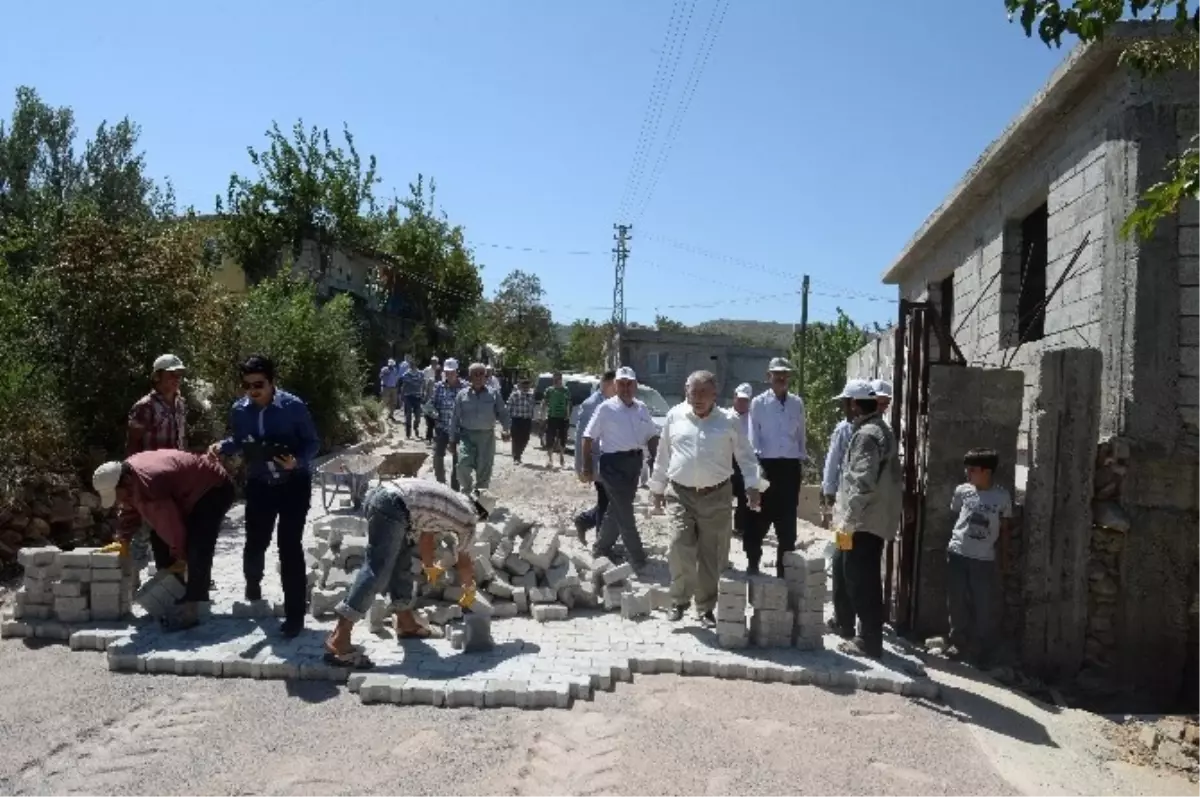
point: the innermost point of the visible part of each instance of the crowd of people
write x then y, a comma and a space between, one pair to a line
735, 471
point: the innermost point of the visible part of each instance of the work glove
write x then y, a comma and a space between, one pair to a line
433, 574
468, 597
119, 547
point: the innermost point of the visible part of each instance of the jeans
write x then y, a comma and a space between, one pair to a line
971, 588
779, 505
288, 502
203, 524
476, 458
864, 583
387, 565
412, 415
619, 474
441, 442
522, 428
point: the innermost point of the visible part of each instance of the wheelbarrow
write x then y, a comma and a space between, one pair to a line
401, 464
350, 472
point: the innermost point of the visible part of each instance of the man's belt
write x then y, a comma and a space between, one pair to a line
626, 453
701, 490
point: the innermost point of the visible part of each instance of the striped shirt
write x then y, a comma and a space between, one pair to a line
434, 508
520, 404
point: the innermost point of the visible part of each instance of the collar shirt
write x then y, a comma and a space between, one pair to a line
743, 422
286, 421
838, 441
443, 402
777, 427
699, 452
493, 383
586, 410
621, 427
389, 377
413, 382
520, 404
477, 412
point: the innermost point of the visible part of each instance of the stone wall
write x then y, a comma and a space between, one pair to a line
50, 511
876, 360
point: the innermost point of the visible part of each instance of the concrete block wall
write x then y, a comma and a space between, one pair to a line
1188, 249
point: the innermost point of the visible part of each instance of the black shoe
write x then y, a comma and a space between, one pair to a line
675, 613
291, 629
581, 530
708, 620
253, 592
752, 570
841, 631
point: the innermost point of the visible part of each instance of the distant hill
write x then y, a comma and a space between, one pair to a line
752, 333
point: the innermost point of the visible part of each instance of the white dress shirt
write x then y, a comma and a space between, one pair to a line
493, 383
620, 426
777, 427
743, 422
699, 452
839, 441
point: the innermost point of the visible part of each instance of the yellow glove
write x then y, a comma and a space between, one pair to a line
845, 539
119, 547
433, 573
468, 597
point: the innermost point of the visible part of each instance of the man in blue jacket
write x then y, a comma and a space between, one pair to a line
274, 430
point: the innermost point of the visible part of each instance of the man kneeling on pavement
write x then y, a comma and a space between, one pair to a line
183, 498
699, 445
401, 515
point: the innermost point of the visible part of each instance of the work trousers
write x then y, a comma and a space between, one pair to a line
971, 587
700, 534
203, 524
389, 396
864, 586
412, 415
619, 474
430, 427
522, 428
441, 442
387, 566
286, 502
742, 516
593, 517
779, 505
477, 453
843, 604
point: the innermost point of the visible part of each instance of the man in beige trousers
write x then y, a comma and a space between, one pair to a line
700, 442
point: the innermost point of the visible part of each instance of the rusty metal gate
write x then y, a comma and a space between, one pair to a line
918, 327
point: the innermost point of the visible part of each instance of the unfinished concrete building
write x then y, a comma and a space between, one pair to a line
1025, 268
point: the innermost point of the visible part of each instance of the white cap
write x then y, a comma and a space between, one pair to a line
451, 364
434, 359
485, 499
105, 481
882, 388
857, 389
168, 362
780, 365
744, 390
391, 362
626, 374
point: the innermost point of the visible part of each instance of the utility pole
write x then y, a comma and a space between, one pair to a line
803, 347
621, 253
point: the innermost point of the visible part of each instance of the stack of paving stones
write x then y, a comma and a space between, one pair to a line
68, 588
732, 605
772, 624
804, 574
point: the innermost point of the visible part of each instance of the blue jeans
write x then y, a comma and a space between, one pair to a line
388, 563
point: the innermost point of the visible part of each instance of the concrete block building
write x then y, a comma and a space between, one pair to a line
1025, 258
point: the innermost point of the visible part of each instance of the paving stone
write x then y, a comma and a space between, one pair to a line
768, 593
39, 595
547, 612
377, 615
526, 580
542, 595
32, 611
540, 547
43, 572
484, 570
515, 565
616, 575
67, 589
69, 604
732, 640
107, 576
612, 597
504, 609
82, 575
79, 557
101, 560
635, 603
104, 589
499, 586
11, 629
516, 526
566, 596
37, 557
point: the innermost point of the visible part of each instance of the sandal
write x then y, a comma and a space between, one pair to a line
420, 632
353, 659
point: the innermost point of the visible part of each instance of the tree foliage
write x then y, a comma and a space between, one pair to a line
664, 324
1088, 21
586, 341
827, 347
521, 323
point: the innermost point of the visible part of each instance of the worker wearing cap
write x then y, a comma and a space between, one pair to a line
621, 427
158, 420
433, 372
184, 498
842, 622
777, 435
444, 394
883, 395
404, 517
389, 381
742, 517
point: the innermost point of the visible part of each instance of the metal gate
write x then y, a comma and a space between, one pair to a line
918, 326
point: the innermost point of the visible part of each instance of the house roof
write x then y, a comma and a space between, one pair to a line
1026, 131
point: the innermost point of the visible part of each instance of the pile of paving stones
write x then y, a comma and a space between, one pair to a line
773, 613
77, 586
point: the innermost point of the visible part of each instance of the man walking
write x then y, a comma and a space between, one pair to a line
742, 516
697, 452
412, 385
865, 516
491, 380
158, 420
558, 420
389, 379
592, 518
274, 430
777, 435
620, 427
842, 622
476, 412
444, 395
433, 374
520, 409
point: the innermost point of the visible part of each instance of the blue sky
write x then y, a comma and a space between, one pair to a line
813, 141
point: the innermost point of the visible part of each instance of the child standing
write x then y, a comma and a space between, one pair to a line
983, 511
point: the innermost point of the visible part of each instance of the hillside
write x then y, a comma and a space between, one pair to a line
752, 333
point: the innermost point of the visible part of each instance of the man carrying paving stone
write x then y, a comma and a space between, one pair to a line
621, 427
401, 515
184, 498
476, 412
701, 445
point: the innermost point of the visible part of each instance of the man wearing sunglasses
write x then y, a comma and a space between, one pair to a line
275, 432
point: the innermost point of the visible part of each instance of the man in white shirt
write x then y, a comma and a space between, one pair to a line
742, 518
777, 436
493, 381
700, 444
621, 427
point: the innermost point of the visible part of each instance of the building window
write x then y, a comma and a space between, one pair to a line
657, 363
1031, 312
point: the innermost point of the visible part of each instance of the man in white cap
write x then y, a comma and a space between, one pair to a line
444, 394
492, 381
742, 517
777, 435
404, 517
621, 427
433, 373
842, 622
883, 394
389, 381
158, 420
184, 498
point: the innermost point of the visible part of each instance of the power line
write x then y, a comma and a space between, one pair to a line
685, 100
536, 249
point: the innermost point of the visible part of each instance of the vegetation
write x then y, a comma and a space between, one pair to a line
1088, 21
521, 323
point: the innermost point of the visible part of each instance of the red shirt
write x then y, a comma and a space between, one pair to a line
163, 487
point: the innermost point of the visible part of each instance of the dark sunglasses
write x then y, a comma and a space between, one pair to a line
258, 385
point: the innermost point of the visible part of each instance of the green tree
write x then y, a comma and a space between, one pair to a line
586, 340
1088, 20
664, 324
827, 347
521, 322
